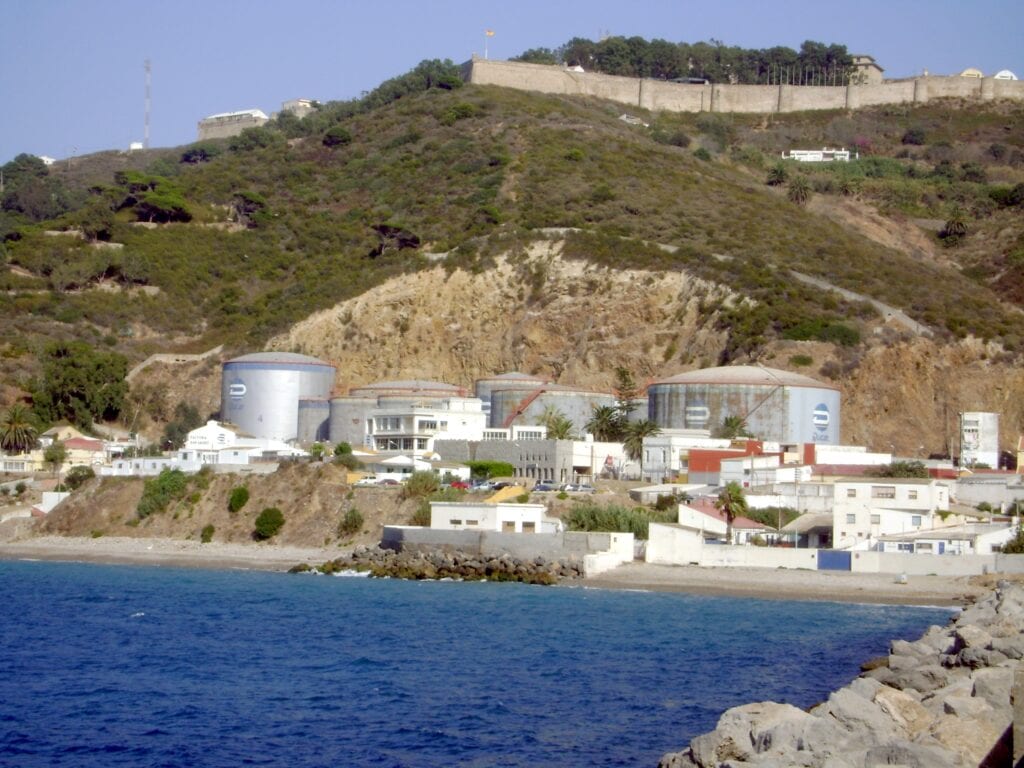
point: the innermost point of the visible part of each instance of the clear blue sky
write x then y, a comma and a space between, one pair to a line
71, 71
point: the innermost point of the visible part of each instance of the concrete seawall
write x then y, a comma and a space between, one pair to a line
659, 95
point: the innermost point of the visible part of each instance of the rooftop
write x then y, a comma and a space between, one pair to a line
751, 375
288, 358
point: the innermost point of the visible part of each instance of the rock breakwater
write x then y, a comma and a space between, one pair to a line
942, 701
438, 564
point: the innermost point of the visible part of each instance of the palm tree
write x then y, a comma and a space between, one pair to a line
636, 431
558, 425
799, 190
732, 503
733, 427
777, 175
956, 224
606, 424
18, 431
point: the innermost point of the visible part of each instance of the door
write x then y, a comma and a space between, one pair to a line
832, 560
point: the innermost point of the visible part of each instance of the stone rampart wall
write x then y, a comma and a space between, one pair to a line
659, 95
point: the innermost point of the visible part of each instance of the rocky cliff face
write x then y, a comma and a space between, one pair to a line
942, 701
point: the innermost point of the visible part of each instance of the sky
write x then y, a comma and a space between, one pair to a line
72, 71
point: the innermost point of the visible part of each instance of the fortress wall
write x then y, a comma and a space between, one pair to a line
797, 98
659, 95
744, 98
902, 92
953, 87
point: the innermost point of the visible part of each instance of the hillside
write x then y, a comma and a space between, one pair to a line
425, 233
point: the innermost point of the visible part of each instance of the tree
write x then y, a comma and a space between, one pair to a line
732, 503
186, 418
18, 430
732, 428
79, 384
626, 390
537, 56
336, 136
955, 228
558, 425
636, 431
55, 455
342, 449
799, 190
902, 469
76, 476
607, 424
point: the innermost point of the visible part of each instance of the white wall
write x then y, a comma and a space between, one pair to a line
485, 517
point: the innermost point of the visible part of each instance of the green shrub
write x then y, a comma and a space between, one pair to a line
76, 476
20, 488
239, 498
589, 516
914, 137
523, 498
801, 361
702, 154
491, 468
349, 461
421, 485
269, 522
206, 536
337, 136
351, 523
158, 492
342, 449
421, 516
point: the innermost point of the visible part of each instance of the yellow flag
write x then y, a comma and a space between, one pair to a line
489, 32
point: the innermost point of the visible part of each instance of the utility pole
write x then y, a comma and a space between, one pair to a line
145, 133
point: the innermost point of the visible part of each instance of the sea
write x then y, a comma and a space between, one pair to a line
145, 666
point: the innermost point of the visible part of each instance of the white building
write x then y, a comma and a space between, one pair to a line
967, 539
414, 428
666, 454
761, 472
504, 518
825, 155
979, 439
866, 508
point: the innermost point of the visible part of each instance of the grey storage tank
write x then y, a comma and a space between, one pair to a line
260, 392
349, 416
776, 405
314, 415
483, 387
526, 405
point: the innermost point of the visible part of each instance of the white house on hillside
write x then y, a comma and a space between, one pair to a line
867, 508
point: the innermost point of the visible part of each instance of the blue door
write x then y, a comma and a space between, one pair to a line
831, 560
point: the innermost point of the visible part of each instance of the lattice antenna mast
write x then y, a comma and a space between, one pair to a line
145, 134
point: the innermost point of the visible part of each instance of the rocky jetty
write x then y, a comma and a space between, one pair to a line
443, 564
943, 701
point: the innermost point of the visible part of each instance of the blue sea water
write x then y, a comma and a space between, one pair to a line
119, 665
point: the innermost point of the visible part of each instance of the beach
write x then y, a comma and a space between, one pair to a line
777, 584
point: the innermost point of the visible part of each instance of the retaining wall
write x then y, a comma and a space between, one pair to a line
659, 95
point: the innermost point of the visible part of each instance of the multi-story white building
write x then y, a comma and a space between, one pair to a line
866, 508
413, 428
979, 439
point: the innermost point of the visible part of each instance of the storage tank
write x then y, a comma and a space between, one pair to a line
776, 405
348, 419
314, 415
483, 387
408, 387
526, 405
260, 392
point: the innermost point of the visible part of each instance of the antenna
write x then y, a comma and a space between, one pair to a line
145, 134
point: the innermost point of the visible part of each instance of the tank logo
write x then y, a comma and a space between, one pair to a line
236, 390
821, 418
697, 415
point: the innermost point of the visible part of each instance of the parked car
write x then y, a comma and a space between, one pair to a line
460, 485
585, 488
499, 486
545, 487
366, 481
482, 485
388, 481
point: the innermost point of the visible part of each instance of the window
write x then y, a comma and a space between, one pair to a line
876, 519
421, 443
851, 493
529, 527
453, 521
912, 494
851, 518
883, 491
426, 425
916, 522
924, 546
508, 526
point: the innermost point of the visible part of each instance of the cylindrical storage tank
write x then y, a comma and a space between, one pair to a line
527, 405
260, 392
639, 413
483, 387
776, 405
314, 418
348, 419
408, 387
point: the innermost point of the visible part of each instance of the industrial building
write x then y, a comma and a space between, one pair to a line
525, 403
777, 406
277, 395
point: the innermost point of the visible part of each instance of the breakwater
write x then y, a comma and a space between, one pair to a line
661, 95
943, 700
441, 564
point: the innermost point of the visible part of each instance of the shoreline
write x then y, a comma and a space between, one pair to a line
757, 583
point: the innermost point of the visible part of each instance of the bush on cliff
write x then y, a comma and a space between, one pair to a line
269, 522
158, 492
351, 523
239, 498
590, 516
421, 484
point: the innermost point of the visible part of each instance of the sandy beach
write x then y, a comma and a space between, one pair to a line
775, 584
